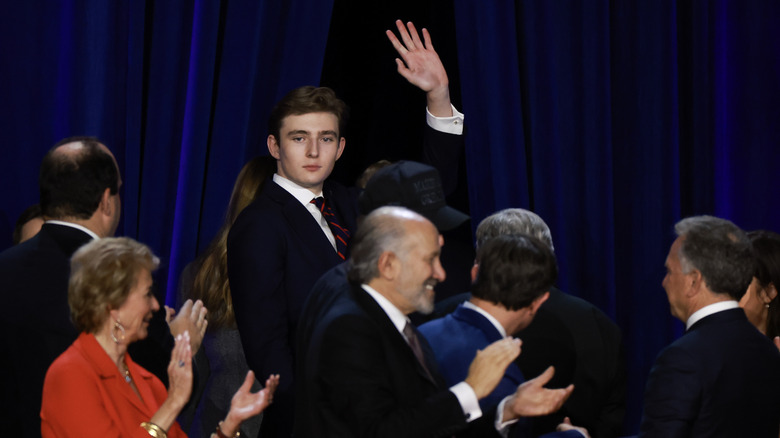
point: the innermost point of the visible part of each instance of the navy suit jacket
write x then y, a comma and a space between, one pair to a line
362, 379
276, 251
720, 379
455, 340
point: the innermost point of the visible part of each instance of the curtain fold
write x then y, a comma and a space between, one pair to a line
179, 91
625, 117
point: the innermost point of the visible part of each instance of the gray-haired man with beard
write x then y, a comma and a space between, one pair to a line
369, 373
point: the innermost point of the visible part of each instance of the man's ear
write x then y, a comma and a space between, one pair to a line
535, 304
474, 272
273, 146
106, 207
388, 265
342, 143
697, 282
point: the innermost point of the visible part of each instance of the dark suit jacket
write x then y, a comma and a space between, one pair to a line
585, 347
362, 379
35, 321
720, 379
276, 251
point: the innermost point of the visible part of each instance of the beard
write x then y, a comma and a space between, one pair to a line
423, 298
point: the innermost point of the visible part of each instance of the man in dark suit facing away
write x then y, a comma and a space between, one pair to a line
79, 198
720, 379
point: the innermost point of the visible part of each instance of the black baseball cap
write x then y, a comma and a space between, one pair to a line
415, 186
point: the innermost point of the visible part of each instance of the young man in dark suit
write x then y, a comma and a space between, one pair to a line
720, 379
569, 333
511, 279
300, 224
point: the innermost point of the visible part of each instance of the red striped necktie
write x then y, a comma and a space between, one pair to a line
340, 233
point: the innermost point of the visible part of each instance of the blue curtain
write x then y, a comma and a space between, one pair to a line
179, 91
613, 120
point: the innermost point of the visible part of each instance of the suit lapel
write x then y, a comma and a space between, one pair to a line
303, 225
398, 341
110, 376
474, 318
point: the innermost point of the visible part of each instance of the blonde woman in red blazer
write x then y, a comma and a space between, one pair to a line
94, 389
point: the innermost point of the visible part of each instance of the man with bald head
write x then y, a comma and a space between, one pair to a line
79, 196
368, 371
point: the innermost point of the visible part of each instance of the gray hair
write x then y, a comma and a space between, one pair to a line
382, 230
514, 221
719, 250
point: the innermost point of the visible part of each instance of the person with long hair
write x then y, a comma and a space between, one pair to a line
207, 279
760, 301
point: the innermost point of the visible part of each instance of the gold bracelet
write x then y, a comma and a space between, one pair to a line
154, 430
221, 434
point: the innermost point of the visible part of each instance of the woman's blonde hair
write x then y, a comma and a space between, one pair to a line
102, 274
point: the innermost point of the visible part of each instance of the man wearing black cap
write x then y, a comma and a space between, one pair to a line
409, 184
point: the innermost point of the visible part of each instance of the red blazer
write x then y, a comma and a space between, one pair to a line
85, 395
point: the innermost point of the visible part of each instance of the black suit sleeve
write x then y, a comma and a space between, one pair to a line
671, 396
355, 380
443, 151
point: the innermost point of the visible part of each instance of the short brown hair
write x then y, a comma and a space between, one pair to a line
102, 273
305, 100
514, 270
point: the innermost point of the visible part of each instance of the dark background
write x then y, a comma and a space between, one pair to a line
612, 120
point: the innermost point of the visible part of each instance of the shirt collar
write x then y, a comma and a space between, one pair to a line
396, 316
302, 194
77, 226
491, 318
709, 310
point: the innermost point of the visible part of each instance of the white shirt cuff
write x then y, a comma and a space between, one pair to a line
503, 426
468, 401
450, 125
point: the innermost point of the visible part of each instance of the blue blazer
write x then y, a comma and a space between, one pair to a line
455, 340
720, 379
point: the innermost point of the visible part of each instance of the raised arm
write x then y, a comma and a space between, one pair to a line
420, 65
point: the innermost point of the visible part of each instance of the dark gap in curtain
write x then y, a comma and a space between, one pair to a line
222, 23
148, 32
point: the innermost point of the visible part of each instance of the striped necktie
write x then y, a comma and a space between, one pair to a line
340, 233
411, 338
